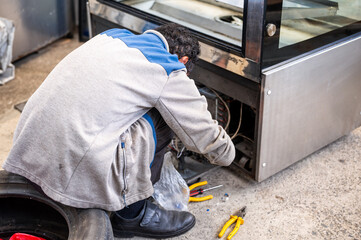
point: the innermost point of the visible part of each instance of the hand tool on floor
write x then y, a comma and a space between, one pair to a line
196, 192
239, 218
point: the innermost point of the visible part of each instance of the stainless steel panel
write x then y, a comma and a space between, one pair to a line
299, 9
307, 104
218, 20
203, 15
237, 3
37, 22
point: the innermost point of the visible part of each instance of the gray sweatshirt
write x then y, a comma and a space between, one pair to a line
75, 136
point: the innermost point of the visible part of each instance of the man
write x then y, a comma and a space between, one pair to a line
94, 134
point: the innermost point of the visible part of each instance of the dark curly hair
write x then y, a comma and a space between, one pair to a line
181, 42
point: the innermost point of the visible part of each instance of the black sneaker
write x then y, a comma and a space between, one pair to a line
153, 222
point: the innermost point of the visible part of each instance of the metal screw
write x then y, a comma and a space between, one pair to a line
264, 164
271, 29
269, 92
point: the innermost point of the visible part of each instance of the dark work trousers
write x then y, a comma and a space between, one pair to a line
164, 135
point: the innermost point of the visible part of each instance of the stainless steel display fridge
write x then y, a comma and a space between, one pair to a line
37, 23
283, 77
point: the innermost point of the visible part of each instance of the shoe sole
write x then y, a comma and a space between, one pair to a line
130, 234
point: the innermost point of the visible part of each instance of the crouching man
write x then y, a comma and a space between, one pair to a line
94, 134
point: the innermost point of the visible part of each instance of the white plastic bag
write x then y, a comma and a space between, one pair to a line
171, 191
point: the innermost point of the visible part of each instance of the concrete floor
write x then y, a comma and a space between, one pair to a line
317, 198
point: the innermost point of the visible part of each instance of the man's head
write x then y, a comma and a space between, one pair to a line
182, 43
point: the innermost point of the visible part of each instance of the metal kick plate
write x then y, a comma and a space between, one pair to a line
307, 104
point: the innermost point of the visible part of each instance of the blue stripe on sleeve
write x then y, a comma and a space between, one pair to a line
150, 45
149, 119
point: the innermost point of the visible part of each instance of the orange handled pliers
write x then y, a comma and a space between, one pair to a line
239, 218
199, 199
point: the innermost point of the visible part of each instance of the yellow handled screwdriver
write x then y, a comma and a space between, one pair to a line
196, 192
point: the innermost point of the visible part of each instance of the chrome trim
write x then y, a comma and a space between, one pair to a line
215, 56
88, 18
254, 29
118, 17
223, 59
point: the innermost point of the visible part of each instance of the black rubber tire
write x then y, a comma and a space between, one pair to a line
24, 209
